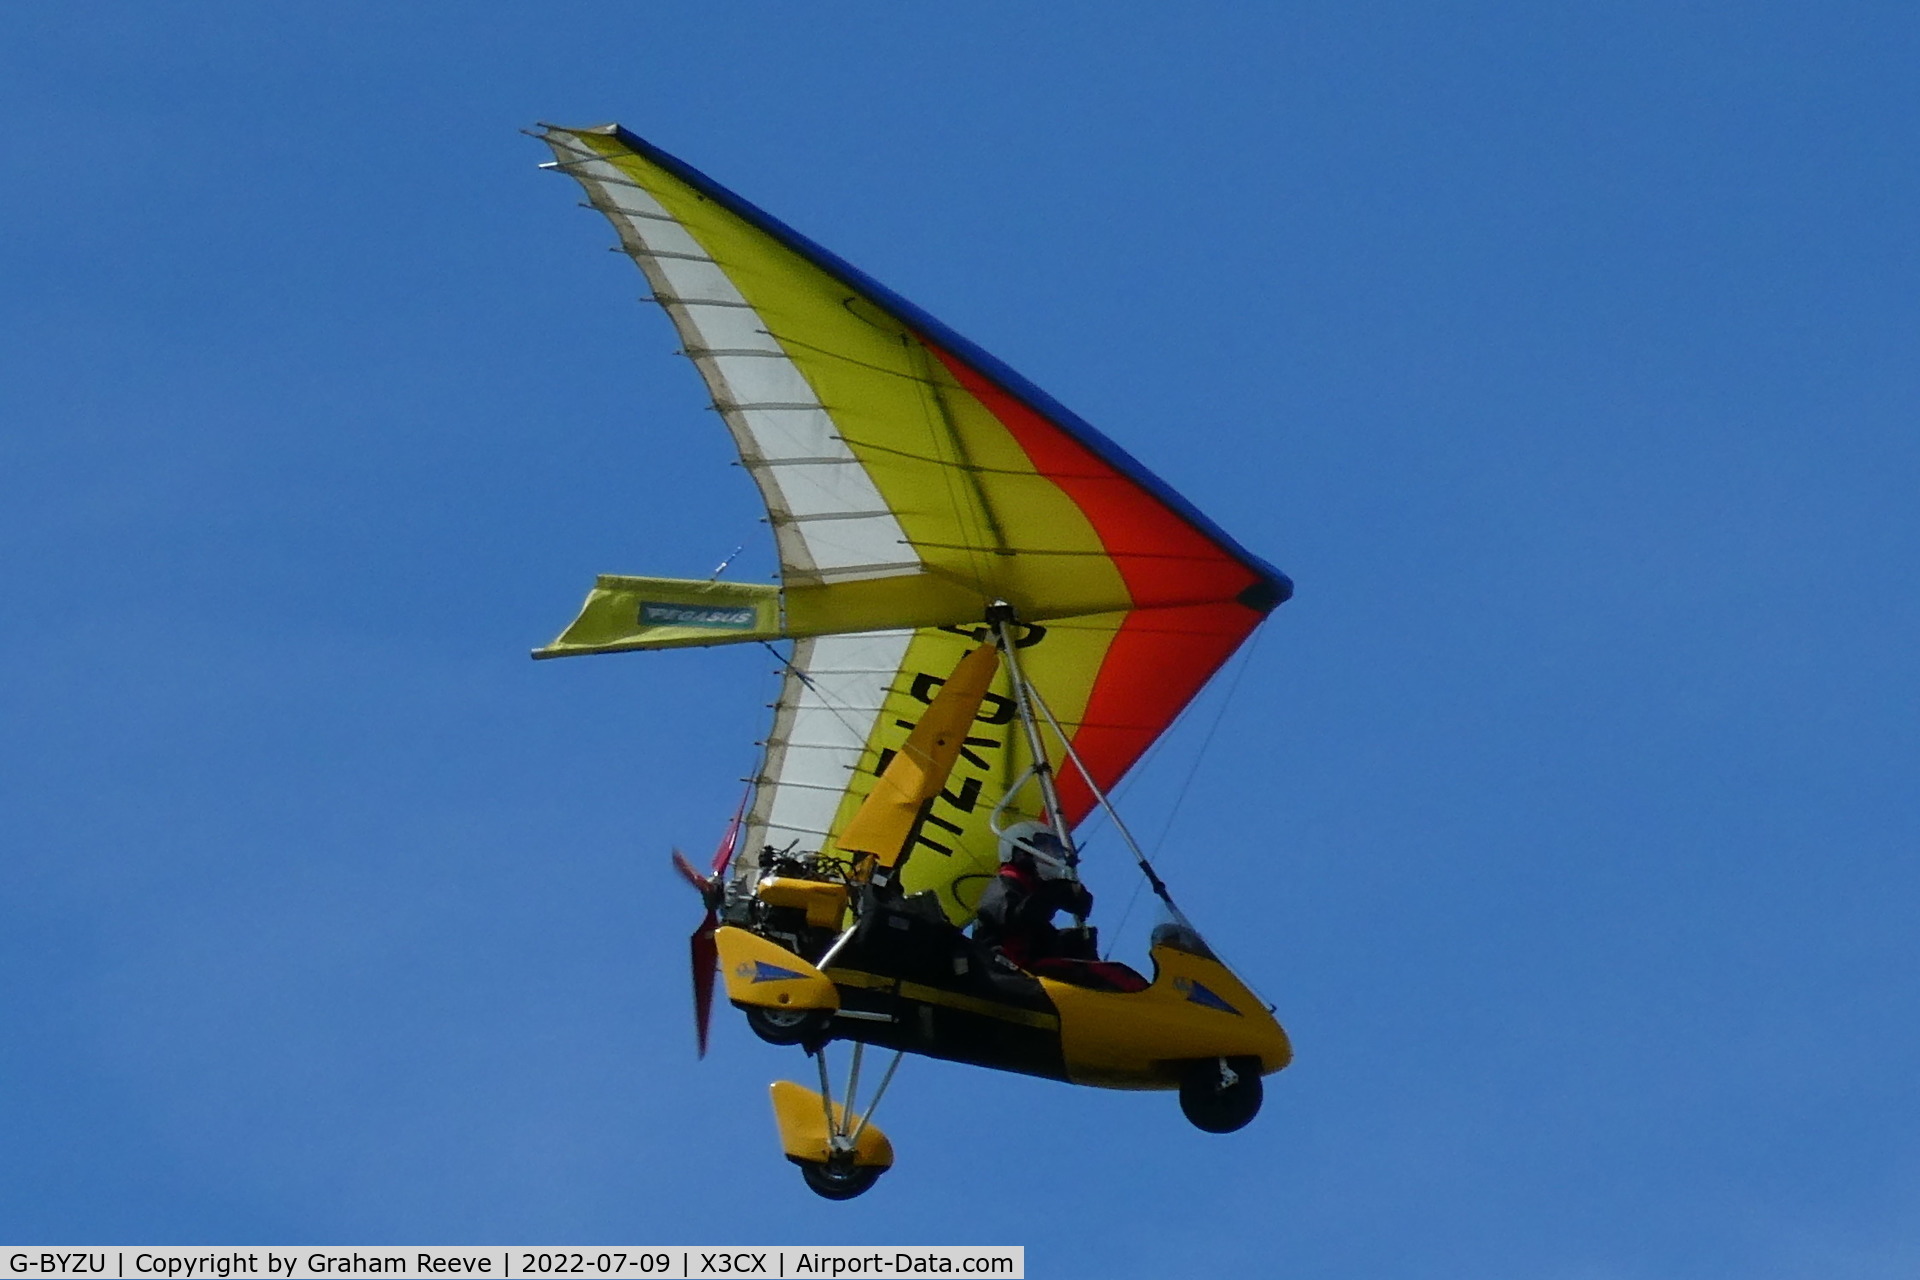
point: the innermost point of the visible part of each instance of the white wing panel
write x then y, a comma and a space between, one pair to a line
820, 727
726, 329
784, 436
829, 520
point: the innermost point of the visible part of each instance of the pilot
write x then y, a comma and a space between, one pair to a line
1015, 916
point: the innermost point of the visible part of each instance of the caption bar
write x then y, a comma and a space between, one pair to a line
638, 1262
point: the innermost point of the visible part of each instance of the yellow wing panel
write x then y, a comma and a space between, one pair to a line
972, 507
954, 851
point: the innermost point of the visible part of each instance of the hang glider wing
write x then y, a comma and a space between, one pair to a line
911, 480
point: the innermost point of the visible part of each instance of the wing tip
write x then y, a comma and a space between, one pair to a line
1267, 593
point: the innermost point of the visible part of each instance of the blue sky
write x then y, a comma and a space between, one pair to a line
1564, 355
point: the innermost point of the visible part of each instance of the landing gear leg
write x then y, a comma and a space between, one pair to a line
840, 1176
1220, 1095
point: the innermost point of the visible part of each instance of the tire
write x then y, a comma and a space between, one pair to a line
786, 1026
839, 1182
1217, 1107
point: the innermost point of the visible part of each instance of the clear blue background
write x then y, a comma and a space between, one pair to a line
1564, 354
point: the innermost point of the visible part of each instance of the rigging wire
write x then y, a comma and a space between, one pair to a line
807, 680
1162, 747
1086, 775
1244, 660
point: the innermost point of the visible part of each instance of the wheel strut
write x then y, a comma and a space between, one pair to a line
838, 1177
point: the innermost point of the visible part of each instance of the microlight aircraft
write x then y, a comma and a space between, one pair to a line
992, 612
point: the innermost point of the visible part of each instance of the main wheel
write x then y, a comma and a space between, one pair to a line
839, 1182
1220, 1095
786, 1026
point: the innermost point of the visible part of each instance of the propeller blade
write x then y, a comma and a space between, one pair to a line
688, 870
704, 951
731, 841
706, 962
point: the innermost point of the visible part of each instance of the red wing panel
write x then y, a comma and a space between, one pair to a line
1186, 620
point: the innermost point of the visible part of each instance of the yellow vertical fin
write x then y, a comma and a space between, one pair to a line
885, 821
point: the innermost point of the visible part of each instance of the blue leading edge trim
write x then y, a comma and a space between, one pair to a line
1281, 586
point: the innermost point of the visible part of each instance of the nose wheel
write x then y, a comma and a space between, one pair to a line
1220, 1095
837, 1181
787, 1026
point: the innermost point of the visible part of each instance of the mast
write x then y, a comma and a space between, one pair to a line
1000, 616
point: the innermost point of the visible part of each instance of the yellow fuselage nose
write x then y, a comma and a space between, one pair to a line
1196, 1008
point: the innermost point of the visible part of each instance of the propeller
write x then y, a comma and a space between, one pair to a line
705, 953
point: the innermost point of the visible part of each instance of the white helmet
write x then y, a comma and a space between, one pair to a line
1038, 841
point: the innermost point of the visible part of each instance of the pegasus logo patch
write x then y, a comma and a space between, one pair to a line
761, 971
657, 613
1200, 995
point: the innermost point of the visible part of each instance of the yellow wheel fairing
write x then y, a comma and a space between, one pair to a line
766, 974
801, 1114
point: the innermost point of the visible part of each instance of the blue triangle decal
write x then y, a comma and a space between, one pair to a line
764, 972
1202, 996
